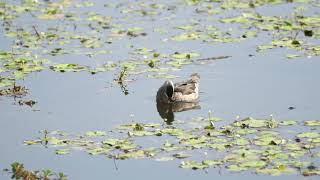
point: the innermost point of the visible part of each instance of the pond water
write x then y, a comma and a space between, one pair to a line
248, 83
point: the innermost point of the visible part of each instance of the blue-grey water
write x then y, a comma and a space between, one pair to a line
260, 85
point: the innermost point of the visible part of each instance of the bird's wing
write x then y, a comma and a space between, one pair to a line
187, 87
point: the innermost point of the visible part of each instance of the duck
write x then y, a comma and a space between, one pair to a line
185, 91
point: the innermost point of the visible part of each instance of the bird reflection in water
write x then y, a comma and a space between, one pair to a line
167, 110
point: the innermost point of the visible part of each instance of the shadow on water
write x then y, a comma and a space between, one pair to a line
167, 110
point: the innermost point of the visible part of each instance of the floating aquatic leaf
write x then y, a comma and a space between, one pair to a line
269, 140
264, 47
91, 42
193, 141
309, 135
181, 155
185, 55
193, 165
212, 162
170, 147
98, 150
68, 68
288, 122
315, 140
139, 126
251, 123
165, 158
119, 144
54, 140
62, 151
237, 19
234, 167
311, 172
131, 154
312, 123
253, 164
6, 81
142, 51
32, 142
178, 63
141, 133
186, 36
275, 171
241, 141
219, 147
185, 27
292, 56
152, 125
135, 28
293, 146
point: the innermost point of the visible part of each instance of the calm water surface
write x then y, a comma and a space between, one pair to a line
257, 86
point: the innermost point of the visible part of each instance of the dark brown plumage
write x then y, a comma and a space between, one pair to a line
186, 91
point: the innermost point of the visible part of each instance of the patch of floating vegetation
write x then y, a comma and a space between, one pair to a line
15, 91
82, 32
249, 144
18, 171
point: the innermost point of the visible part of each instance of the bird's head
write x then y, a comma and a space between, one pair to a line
169, 89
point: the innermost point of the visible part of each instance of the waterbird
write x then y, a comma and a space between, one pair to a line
185, 91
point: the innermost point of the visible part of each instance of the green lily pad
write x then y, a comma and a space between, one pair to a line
119, 144
251, 123
62, 151
253, 164
292, 56
181, 155
212, 162
234, 167
141, 133
275, 171
241, 141
311, 172
312, 123
133, 154
269, 140
98, 150
68, 68
308, 135
32, 142
4, 82
186, 36
170, 147
173, 131
185, 55
288, 122
193, 165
